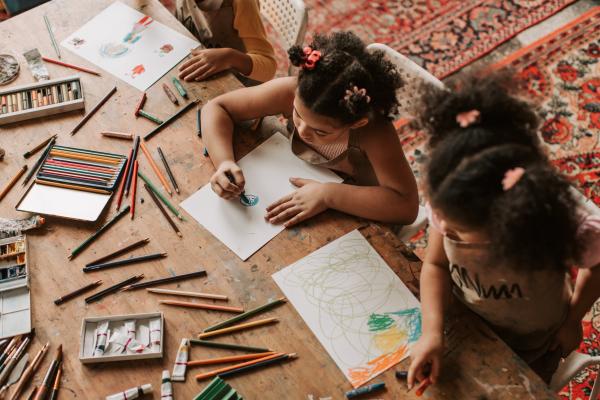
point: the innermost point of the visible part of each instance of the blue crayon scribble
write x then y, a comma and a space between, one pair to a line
249, 200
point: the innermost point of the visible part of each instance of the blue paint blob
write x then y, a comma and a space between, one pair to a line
249, 200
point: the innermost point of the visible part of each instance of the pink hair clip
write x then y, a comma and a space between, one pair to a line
357, 92
467, 118
511, 177
310, 58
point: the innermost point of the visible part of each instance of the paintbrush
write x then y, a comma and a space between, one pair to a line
28, 373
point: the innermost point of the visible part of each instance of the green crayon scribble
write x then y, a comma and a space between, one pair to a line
379, 322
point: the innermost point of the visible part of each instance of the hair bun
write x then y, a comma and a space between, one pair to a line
356, 100
296, 55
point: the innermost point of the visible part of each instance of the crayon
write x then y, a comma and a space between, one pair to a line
365, 390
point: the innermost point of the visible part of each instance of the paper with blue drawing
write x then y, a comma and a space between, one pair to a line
361, 312
240, 223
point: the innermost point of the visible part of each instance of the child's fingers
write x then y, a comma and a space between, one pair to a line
238, 177
207, 74
285, 215
297, 219
280, 208
189, 63
282, 200
415, 366
194, 70
227, 186
435, 370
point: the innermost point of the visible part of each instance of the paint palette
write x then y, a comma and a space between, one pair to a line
15, 302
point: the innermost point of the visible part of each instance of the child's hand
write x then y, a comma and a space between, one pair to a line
426, 353
204, 63
221, 183
568, 337
308, 200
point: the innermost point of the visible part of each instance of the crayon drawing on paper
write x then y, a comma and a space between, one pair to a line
130, 45
357, 307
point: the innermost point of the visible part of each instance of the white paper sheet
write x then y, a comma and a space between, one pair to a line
138, 54
358, 308
267, 170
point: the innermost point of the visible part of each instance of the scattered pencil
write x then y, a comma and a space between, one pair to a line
401, 374
168, 169
220, 371
134, 190
113, 289
39, 161
99, 232
10, 363
13, 181
150, 117
236, 328
69, 186
224, 360
117, 135
170, 94
126, 261
89, 115
169, 279
189, 294
169, 120
37, 148
161, 196
33, 393
77, 292
55, 387
247, 314
228, 346
179, 87
136, 146
44, 388
162, 210
365, 390
140, 105
259, 364
123, 179
64, 64
198, 125
157, 172
118, 252
52, 38
201, 306
29, 372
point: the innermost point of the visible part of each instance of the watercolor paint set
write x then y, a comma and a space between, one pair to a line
41, 99
121, 337
15, 302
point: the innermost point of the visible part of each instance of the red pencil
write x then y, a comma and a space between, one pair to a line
122, 185
140, 104
133, 187
64, 64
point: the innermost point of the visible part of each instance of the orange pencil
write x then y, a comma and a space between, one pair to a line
221, 360
237, 327
215, 372
122, 184
64, 64
12, 182
202, 306
155, 168
134, 187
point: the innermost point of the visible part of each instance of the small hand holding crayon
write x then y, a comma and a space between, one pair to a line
228, 182
426, 357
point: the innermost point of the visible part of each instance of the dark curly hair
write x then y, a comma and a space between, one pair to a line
345, 63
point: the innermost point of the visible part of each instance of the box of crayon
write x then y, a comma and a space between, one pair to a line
41, 99
15, 301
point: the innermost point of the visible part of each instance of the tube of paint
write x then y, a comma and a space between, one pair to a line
14, 227
166, 388
132, 393
36, 65
117, 343
181, 361
101, 338
155, 335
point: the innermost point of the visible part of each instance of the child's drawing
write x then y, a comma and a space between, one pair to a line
137, 70
165, 49
358, 308
77, 42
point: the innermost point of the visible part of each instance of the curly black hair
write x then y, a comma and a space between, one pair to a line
345, 63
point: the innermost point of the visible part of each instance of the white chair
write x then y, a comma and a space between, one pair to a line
288, 18
573, 365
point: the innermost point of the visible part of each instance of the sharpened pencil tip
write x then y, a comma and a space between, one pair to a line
179, 234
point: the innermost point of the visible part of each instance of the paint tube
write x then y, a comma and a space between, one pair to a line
181, 361
155, 335
132, 393
166, 388
101, 338
36, 65
131, 344
117, 343
14, 227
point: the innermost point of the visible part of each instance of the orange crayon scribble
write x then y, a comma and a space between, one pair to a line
137, 70
360, 375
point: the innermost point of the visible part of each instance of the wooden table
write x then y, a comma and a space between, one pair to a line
478, 365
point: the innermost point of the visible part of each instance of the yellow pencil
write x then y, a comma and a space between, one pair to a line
68, 186
155, 168
223, 360
237, 327
12, 182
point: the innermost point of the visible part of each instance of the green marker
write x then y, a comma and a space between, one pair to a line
180, 88
150, 117
161, 196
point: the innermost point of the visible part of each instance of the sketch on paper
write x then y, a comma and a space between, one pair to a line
137, 70
120, 37
357, 307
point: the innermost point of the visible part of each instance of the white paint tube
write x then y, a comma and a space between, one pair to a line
181, 361
101, 338
155, 335
166, 388
132, 393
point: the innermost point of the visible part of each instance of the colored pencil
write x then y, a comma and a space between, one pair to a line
198, 124
228, 346
92, 153
75, 293
136, 146
50, 374
162, 210
29, 372
39, 161
179, 87
54, 392
140, 104
365, 390
123, 179
236, 328
224, 360
47, 182
13, 359
150, 117
260, 364
161, 196
33, 393
219, 371
134, 190
113, 288
169, 120
126, 261
168, 169
99, 232
170, 94
13, 181
202, 306
64, 64
52, 38
37, 148
87, 116
247, 314
85, 157
155, 168
117, 135
118, 252
189, 294
169, 279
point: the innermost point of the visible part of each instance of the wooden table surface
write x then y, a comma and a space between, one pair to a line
477, 365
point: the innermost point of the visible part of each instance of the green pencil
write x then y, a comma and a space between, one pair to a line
100, 231
228, 346
161, 196
247, 314
179, 88
150, 117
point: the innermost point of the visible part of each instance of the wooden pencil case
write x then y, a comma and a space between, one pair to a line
41, 99
88, 337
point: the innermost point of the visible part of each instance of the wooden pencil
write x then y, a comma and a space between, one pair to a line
228, 346
126, 261
168, 169
33, 393
51, 34
89, 152
219, 371
224, 360
198, 123
247, 314
47, 182
134, 190
123, 179
162, 210
161, 197
55, 387
170, 94
140, 104
13, 181
75, 293
44, 388
168, 121
202, 306
85, 157
260, 364
29, 372
155, 168
117, 135
99, 232
64, 64
37, 148
118, 252
236, 328
87, 116
39, 161
168, 279
189, 294
136, 146
113, 289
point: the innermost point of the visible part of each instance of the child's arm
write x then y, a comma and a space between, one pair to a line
435, 294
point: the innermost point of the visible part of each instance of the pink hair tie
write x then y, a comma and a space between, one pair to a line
468, 118
310, 58
511, 177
